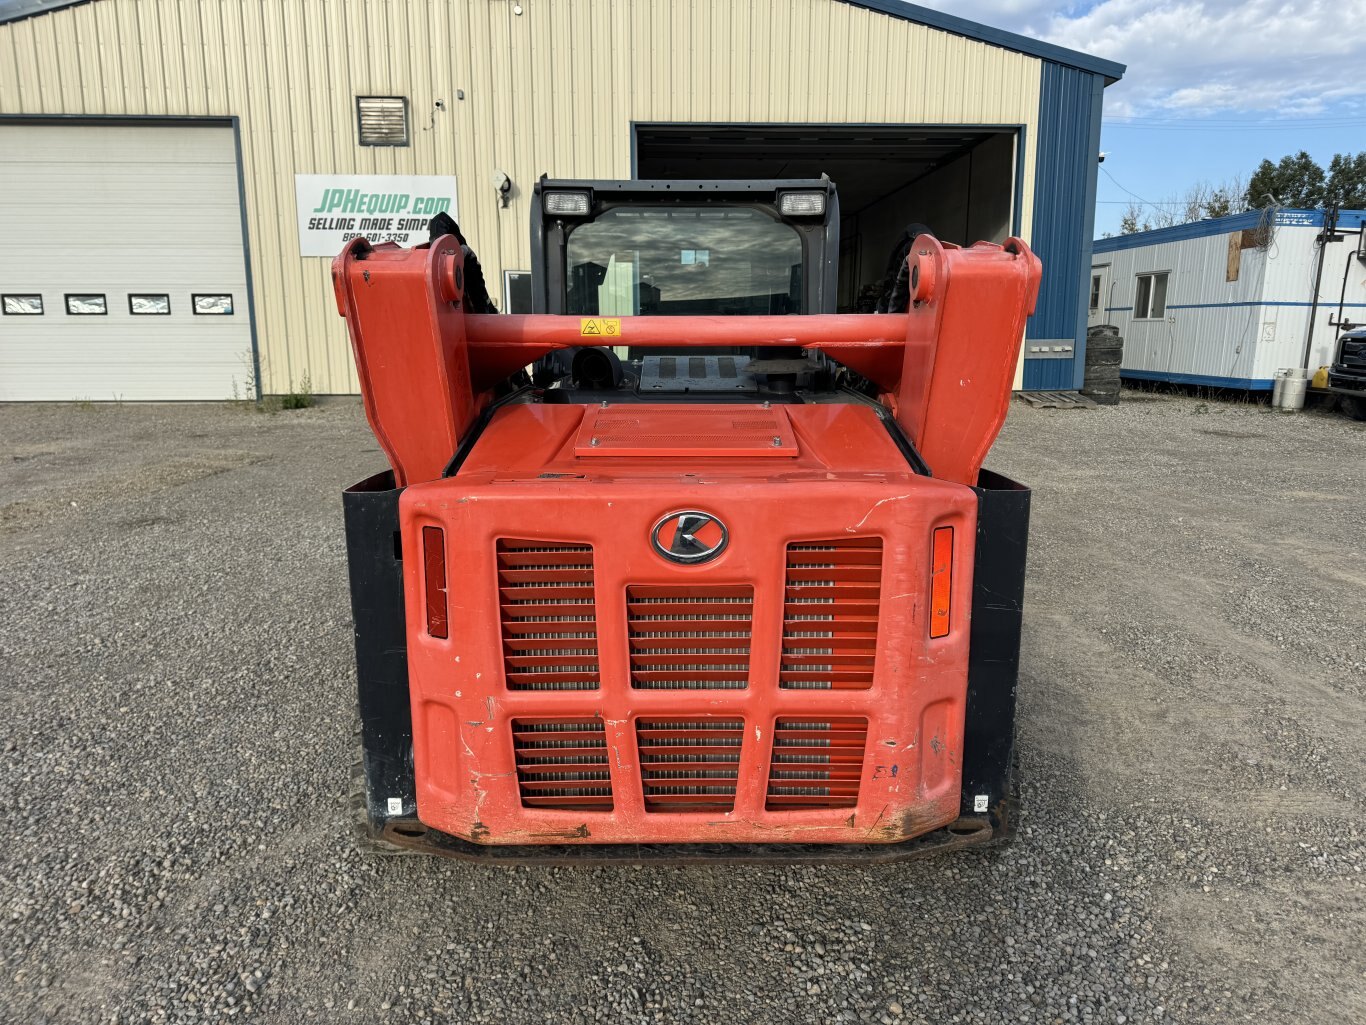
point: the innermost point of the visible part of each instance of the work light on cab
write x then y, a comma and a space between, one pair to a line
801, 204
566, 204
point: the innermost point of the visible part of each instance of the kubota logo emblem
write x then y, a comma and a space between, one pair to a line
689, 537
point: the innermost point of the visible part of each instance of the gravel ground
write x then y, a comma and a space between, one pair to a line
176, 678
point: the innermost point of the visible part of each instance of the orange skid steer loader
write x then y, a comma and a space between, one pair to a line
682, 565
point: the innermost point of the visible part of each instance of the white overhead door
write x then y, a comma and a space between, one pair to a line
122, 271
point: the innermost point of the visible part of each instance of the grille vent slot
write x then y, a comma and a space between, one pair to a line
689, 765
689, 637
562, 764
830, 614
550, 633
817, 763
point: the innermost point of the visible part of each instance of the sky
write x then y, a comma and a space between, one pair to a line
1212, 87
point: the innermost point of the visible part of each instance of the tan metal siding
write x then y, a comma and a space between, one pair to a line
555, 89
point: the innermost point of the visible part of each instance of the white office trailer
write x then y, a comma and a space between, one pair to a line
1227, 302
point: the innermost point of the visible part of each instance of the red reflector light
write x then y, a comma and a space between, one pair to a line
434, 560
941, 576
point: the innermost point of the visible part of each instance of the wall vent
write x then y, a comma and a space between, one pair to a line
382, 120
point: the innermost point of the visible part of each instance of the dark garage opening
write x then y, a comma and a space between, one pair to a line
960, 182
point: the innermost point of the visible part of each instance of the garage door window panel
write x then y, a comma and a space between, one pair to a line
145, 304
86, 304
212, 304
22, 305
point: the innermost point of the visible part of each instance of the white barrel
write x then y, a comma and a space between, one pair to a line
1292, 390
1277, 386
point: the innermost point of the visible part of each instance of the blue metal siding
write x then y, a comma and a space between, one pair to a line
1070, 104
1048, 375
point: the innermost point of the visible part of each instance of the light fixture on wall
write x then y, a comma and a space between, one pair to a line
431, 122
503, 185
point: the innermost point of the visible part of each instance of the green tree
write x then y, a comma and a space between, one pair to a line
1199, 202
1347, 180
1219, 203
1297, 181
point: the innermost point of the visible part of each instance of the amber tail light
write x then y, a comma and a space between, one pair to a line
434, 562
941, 581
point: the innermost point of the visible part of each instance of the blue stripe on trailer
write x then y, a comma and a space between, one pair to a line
1323, 305
1209, 381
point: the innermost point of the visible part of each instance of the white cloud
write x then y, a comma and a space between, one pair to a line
1189, 59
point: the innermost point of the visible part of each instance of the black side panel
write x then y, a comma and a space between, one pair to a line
373, 554
994, 658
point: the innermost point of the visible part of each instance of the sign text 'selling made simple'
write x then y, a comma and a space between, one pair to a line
334, 209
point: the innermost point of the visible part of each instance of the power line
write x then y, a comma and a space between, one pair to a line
1196, 127
1173, 123
1336, 119
1145, 202
1123, 189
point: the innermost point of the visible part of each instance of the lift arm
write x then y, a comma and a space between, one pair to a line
944, 368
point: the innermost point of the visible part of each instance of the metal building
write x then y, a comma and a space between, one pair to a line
1228, 301
184, 170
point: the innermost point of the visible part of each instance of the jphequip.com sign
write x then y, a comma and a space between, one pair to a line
335, 208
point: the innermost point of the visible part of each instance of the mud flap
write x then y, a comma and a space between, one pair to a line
374, 557
994, 655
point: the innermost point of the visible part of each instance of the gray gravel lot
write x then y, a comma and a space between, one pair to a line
176, 678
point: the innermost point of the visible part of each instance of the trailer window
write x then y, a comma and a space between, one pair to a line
1150, 300
682, 260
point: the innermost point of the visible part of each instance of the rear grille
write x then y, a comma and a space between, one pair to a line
816, 763
550, 634
689, 637
689, 765
830, 614
562, 764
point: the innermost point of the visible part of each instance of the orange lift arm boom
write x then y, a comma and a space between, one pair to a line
944, 368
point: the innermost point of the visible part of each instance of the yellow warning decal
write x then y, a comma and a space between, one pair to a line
600, 327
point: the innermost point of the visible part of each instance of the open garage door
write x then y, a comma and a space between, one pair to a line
959, 182
126, 273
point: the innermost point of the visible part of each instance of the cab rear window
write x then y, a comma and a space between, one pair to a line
694, 261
